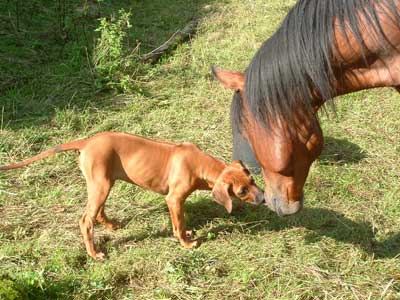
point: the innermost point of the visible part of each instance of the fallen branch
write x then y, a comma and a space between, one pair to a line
179, 36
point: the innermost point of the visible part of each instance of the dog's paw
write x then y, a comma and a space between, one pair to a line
189, 244
189, 234
99, 256
112, 225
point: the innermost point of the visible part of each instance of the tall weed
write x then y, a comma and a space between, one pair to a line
114, 64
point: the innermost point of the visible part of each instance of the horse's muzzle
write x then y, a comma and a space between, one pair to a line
284, 208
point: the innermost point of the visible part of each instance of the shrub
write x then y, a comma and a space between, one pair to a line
9, 291
115, 66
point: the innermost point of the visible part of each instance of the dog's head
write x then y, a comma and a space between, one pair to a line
236, 181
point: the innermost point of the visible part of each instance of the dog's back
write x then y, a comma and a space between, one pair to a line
134, 159
128, 157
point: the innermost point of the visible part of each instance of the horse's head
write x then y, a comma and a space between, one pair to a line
285, 155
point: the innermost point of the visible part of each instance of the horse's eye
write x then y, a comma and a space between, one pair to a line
243, 191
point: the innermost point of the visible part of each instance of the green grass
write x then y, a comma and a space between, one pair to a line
345, 244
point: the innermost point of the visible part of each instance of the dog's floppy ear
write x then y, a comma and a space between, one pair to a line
221, 195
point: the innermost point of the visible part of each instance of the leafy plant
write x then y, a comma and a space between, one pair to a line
9, 291
114, 64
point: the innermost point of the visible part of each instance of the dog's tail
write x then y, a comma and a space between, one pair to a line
75, 145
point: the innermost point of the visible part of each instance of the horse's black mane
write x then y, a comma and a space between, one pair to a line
298, 57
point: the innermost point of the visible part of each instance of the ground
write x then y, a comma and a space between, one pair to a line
345, 244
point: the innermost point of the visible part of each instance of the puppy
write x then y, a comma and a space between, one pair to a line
174, 170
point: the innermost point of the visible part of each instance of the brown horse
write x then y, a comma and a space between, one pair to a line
323, 48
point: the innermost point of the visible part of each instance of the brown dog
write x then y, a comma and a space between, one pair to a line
175, 170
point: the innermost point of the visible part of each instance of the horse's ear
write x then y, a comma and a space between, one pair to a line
229, 79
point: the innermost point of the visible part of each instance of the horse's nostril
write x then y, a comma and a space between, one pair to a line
274, 202
277, 208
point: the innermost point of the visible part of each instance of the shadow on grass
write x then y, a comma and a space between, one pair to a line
17, 289
138, 238
340, 151
47, 68
321, 222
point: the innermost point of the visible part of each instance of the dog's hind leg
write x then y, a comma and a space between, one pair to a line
98, 191
104, 220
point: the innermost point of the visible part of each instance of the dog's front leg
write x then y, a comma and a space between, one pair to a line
175, 202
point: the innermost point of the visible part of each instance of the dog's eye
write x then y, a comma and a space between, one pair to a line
243, 191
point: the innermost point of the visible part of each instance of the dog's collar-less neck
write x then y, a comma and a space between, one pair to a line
211, 170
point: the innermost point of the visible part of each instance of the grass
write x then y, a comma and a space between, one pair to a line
343, 245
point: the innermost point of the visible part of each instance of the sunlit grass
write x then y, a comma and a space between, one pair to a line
344, 245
